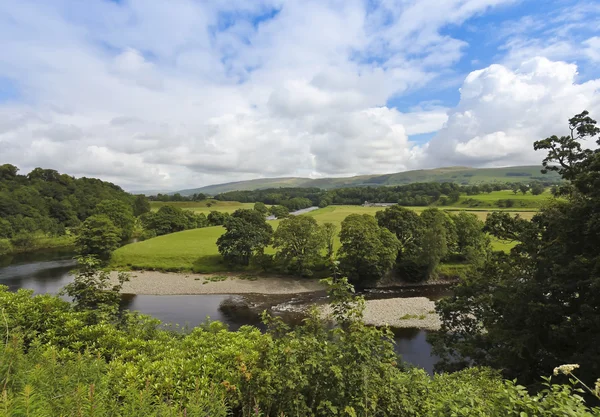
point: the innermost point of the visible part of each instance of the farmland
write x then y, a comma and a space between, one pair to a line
196, 250
205, 206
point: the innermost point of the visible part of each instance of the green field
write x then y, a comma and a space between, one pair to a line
196, 250
490, 200
205, 206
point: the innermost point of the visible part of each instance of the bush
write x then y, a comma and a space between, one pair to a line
5, 246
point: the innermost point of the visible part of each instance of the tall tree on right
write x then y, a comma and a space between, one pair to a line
537, 307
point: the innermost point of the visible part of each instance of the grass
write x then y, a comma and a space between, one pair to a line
205, 206
490, 200
196, 250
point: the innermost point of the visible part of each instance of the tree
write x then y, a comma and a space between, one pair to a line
299, 241
537, 188
141, 205
280, 212
247, 234
537, 307
168, 219
120, 213
216, 218
523, 188
433, 245
261, 208
405, 224
368, 251
472, 243
98, 236
93, 292
329, 233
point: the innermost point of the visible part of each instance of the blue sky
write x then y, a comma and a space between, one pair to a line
183, 93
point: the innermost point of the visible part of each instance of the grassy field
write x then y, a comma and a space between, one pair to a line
205, 206
196, 250
489, 200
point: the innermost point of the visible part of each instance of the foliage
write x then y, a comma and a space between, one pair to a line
46, 203
54, 361
279, 212
217, 218
299, 241
330, 231
171, 219
368, 251
120, 213
261, 208
93, 292
98, 236
537, 307
141, 205
405, 224
247, 233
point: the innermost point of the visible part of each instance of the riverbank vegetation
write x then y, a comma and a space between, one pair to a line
44, 208
89, 358
539, 304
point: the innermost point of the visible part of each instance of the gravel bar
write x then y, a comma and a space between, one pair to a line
171, 283
415, 312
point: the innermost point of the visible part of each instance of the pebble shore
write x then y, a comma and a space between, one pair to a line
416, 312
170, 283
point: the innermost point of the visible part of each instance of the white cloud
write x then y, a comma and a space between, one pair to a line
163, 94
502, 112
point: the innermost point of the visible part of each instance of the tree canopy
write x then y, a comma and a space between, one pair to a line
247, 234
539, 306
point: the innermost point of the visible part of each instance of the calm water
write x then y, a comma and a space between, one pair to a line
48, 272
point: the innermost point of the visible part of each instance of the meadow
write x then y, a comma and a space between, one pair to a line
196, 250
520, 200
205, 206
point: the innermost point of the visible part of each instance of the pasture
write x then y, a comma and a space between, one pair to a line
205, 206
196, 250
519, 200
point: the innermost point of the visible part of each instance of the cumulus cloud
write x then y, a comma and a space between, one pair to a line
172, 95
502, 112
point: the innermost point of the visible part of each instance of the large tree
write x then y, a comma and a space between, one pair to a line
247, 234
368, 251
405, 224
539, 306
98, 236
120, 213
299, 241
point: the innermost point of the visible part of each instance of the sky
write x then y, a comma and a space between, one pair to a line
173, 94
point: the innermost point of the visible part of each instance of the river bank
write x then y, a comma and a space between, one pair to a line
405, 312
399, 312
174, 283
36, 244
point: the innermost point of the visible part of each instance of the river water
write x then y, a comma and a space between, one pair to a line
48, 272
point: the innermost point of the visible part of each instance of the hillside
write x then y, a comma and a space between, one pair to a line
460, 175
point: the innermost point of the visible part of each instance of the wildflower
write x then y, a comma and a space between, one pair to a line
597, 388
565, 369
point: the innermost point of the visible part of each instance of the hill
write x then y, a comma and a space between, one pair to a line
459, 175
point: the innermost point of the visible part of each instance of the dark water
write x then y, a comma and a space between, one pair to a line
48, 272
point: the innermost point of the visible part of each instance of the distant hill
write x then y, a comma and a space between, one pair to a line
459, 175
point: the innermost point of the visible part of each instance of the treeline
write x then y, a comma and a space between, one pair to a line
91, 358
417, 194
370, 247
178, 197
47, 203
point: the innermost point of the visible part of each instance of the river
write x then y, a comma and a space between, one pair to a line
48, 272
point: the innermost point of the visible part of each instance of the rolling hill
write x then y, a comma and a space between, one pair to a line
461, 175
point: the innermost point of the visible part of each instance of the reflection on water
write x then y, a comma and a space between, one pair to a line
42, 272
48, 272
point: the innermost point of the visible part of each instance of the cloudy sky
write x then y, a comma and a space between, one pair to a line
171, 94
